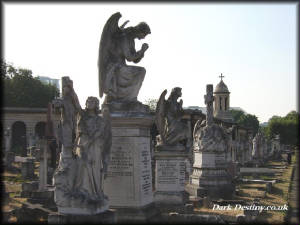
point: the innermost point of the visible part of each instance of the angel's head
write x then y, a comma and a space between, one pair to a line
67, 86
142, 30
176, 92
92, 103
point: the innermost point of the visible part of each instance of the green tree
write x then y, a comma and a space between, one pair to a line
236, 114
245, 120
287, 127
21, 89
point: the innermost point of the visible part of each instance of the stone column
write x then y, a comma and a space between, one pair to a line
129, 178
170, 167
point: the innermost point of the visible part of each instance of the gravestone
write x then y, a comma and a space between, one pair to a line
27, 168
9, 159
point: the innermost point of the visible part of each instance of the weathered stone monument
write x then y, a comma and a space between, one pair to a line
171, 153
7, 139
129, 176
210, 177
257, 150
83, 161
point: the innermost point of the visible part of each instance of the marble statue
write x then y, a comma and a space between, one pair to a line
92, 149
69, 107
207, 135
119, 81
79, 178
172, 131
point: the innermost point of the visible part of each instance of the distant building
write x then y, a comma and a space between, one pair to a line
221, 103
48, 80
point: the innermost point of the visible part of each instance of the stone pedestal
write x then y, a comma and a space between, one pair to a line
170, 167
210, 177
129, 178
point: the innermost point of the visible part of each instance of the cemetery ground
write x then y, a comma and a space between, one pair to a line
257, 192
284, 191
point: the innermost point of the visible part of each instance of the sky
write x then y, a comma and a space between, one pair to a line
253, 45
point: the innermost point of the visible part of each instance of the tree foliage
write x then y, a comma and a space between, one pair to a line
151, 102
287, 127
21, 89
245, 120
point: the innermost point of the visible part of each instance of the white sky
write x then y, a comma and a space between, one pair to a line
253, 45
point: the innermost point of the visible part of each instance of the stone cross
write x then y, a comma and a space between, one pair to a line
221, 76
209, 98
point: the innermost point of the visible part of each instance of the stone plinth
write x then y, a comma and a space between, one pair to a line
209, 177
170, 167
129, 178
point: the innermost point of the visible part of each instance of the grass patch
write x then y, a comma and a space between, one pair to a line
278, 196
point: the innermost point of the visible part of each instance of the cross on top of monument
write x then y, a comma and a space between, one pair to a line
221, 76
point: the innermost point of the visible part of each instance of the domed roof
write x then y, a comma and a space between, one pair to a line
221, 87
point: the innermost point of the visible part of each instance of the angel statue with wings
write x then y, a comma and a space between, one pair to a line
119, 81
172, 131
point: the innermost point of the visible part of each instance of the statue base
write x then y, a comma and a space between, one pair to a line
128, 106
129, 176
69, 201
107, 217
136, 214
82, 210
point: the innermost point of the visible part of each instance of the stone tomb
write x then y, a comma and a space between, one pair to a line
129, 178
170, 167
